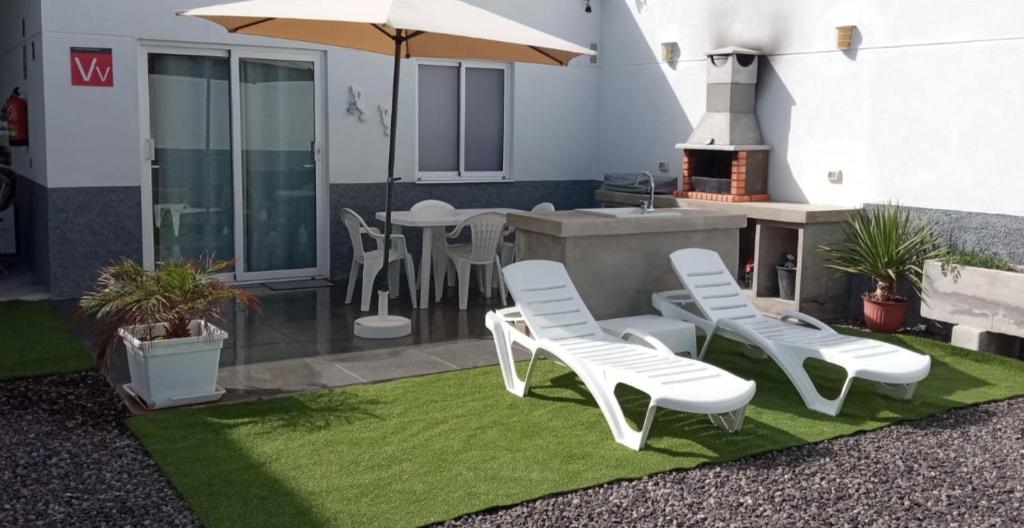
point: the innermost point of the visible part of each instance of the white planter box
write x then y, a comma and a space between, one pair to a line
171, 372
988, 300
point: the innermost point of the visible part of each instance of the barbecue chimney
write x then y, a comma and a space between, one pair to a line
724, 158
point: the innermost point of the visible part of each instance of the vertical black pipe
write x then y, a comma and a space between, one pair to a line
399, 40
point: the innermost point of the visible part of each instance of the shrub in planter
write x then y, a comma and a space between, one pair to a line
166, 318
889, 245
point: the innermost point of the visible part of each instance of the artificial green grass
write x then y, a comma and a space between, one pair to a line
36, 341
426, 449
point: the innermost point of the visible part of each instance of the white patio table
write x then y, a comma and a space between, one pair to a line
428, 221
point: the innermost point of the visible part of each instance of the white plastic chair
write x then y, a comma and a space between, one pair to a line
507, 251
485, 231
714, 302
371, 262
561, 327
438, 250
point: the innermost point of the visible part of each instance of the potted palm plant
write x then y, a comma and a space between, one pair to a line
887, 244
165, 317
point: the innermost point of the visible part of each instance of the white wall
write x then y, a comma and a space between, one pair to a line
926, 110
27, 161
94, 137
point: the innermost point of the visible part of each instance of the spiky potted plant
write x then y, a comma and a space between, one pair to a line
889, 245
165, 317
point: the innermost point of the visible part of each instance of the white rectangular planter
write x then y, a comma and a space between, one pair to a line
170, 372
988, 300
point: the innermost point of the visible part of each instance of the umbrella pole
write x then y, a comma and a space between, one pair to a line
383, 325
399, 40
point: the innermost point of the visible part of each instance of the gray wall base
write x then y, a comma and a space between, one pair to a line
997, 233
88, 228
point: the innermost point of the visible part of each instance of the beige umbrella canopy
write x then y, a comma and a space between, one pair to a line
401, 28
433, 28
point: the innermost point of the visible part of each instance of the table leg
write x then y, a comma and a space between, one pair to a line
425, 258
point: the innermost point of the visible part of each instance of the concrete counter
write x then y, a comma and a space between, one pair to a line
616, 263
775, 228
798, 213
582, 223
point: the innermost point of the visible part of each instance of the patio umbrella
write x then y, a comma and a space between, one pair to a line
400, 28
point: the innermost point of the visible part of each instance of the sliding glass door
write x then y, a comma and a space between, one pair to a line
190, 156
233, 161
278, 160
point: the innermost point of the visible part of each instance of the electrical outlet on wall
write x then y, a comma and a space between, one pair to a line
663, 166
835, 176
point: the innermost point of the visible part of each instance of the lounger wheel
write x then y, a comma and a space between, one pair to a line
753, 352
730, 421
896, 391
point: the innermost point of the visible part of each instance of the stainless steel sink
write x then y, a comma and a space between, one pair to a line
633, 212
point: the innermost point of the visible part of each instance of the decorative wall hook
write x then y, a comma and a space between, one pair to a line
385, 118
355, 101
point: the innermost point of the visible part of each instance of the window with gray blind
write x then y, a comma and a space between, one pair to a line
462, 120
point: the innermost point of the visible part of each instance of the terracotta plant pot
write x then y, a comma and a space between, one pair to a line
884, 317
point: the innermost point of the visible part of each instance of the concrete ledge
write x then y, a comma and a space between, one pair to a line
795, 213
564, 224
977, 339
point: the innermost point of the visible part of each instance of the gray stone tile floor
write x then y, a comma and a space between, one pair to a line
302, 340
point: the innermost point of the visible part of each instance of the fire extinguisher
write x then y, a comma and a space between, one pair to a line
16, 111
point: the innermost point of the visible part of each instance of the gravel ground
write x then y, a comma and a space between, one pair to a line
67, 459
960, 468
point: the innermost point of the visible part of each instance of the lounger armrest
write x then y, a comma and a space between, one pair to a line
510, 314
547, 344
679, 297
804, 318
731, 326
514, 334
728, 325
673, 309
654, 342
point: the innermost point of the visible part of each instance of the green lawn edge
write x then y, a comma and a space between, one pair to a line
36, 341
420, 450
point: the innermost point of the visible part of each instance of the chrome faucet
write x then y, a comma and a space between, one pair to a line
647, 206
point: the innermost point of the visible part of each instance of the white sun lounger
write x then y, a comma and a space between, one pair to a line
561, 327
714, 302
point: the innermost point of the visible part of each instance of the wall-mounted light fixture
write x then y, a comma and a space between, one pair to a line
844, 36
669, 51
586, 6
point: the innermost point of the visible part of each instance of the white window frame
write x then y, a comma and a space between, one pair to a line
462, 175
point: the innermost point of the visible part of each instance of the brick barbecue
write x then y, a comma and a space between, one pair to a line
724, 158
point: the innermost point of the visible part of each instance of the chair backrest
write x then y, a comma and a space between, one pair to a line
354, 224
432, 205
544, 207
714, 290
549, 302
486, 231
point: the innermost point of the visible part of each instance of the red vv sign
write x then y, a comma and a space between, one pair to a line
92, 67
